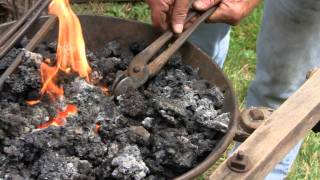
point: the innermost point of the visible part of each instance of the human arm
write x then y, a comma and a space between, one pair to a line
166, 13
229, 11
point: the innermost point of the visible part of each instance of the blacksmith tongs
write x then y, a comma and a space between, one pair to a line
139, 71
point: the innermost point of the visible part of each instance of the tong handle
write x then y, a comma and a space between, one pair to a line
156, 65
141, 60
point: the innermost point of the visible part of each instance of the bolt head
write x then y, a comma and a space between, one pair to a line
256, 114
136, 69
240, 155
239, 162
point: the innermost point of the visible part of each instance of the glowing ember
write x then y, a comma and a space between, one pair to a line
60, 119
105, 91
33, 102
97, 128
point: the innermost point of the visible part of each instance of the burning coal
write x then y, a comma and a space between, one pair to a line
70, 57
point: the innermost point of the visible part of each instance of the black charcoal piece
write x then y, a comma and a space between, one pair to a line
114, 48
24, 41
8, 58
52, 47
175, 106
106, 65
148, 122
206, 115
52, 165
12, 125
215, 95
137, 47
139, 135
27, 76
133, 103
221, 122
129, 164
175, 148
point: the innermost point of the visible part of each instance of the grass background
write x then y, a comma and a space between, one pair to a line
239, 67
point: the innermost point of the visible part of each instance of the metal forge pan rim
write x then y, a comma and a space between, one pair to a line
96, 30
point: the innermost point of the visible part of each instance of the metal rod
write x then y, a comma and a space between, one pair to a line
156, 65
31, 45
146, 55
18, 24
17, 36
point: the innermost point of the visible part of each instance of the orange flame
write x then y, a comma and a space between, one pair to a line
70, 51
70, 57
60, 119
48, 77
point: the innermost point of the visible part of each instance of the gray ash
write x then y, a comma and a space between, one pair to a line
159, 131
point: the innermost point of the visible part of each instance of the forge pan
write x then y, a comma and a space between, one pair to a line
98, 30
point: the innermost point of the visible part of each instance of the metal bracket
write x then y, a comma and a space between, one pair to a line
250, 120
239, 162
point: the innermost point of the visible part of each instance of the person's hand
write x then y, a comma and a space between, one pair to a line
228, 11
166, 13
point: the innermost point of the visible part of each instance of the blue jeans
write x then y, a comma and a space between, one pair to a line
213, 39
288, 47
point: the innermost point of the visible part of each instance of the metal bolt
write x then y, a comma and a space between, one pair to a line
256, 114
239, 162
136, 69
240, 155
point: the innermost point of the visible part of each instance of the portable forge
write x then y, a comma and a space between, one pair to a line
277, 132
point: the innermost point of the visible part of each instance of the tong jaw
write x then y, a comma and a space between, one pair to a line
124, 82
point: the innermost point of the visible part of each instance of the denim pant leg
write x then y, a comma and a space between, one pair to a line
288, 47
213, 39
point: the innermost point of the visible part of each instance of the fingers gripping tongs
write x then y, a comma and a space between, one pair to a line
140, 70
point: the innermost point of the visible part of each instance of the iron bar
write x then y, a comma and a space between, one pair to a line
17, 36
40, 35
18, 24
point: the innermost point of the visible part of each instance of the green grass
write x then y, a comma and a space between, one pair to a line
239, 67
135, 11
307, 165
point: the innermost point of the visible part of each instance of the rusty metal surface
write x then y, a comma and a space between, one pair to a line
249, 120
239, 162
98, 30
21, 27
252, 118
13, 9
